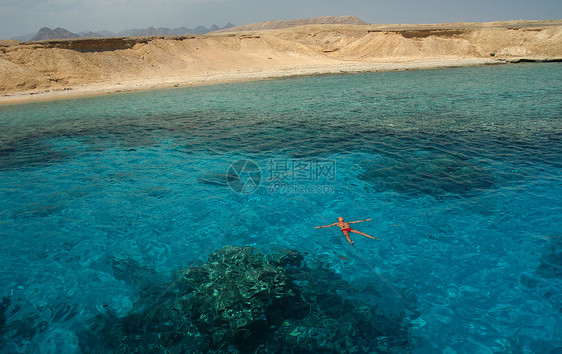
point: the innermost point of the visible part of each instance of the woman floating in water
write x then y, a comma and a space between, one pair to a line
344, 227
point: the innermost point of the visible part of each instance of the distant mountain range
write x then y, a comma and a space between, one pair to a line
46, 33
61, 33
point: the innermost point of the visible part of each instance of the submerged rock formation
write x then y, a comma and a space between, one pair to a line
243, 301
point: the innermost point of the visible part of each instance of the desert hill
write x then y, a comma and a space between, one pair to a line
112, 64
327, 20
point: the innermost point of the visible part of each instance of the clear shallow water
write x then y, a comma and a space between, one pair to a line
459, 169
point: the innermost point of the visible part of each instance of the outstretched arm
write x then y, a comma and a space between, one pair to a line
355, 222
318, 227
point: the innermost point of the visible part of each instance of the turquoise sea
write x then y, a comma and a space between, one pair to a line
107, 201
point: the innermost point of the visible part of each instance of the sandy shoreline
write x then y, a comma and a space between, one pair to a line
57, 69
96, 89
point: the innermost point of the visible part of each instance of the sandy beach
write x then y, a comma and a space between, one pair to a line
55, 69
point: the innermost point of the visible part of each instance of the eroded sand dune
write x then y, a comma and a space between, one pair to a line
65, 67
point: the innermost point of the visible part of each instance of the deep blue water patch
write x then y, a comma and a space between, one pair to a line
105, 199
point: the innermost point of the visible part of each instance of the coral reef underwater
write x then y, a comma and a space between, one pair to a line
247, 302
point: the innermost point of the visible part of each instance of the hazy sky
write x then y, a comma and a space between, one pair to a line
19, 17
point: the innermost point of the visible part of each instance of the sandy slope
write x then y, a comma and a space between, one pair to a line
49, 69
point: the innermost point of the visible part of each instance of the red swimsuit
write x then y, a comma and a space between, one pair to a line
347, 229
